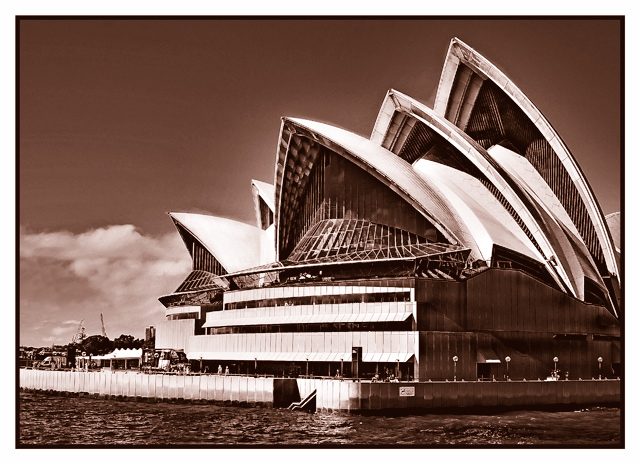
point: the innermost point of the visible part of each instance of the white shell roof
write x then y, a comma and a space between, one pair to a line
266, 191
460, 52
490, 222
615, 227
234, 244
519, 168
399, 175
476, 154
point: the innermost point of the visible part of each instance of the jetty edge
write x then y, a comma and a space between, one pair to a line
330, 394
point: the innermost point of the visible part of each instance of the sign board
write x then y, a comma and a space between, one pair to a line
407, 391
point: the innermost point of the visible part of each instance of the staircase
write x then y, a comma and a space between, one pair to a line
306, 404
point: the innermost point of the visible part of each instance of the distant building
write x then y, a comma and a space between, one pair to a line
149, 333
467, 230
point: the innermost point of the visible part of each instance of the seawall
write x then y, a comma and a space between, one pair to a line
251, 391
332, 394
367, 396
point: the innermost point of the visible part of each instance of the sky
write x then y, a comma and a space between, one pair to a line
122, 121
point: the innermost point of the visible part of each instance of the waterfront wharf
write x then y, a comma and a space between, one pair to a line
331, 394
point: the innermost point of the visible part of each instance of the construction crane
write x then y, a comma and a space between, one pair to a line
80, 334
104, 332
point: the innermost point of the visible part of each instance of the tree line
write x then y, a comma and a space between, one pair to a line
98, 344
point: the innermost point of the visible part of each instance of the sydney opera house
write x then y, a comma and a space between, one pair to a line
465, 231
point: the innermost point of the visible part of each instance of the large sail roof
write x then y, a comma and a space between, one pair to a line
481, 100
391, 170
234, 244
398, 135
485, 216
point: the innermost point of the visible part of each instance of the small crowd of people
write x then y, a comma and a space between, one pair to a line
226, 370
388, 378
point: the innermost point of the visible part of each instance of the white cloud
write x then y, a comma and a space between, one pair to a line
58, 330
66, 278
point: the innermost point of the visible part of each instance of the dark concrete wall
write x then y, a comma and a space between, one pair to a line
285, 392
504, 299
354, 396
436, 350
441, 305
515, 315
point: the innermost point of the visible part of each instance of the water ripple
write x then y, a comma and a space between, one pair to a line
52, 420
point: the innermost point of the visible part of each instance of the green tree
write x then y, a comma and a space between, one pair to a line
96, 345
127, 341
149, 344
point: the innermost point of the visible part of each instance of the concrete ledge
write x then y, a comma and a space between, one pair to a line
333, 394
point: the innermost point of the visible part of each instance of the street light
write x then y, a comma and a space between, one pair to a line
507, 360
307, 367
555, 366
455, 362
599, 367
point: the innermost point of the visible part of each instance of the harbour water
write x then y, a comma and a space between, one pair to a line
78, 421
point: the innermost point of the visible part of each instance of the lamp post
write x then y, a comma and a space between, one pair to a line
507, 360
455, 362
255, 366
397, 368
555, 366
599, 367
307, 367
342, 367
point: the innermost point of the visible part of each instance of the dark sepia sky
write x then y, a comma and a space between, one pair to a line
122, 121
